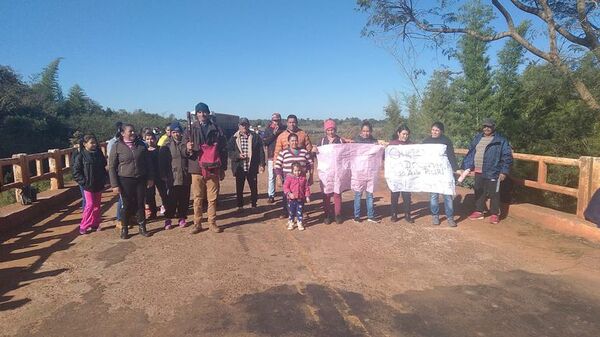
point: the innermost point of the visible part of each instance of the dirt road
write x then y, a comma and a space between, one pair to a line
259, 279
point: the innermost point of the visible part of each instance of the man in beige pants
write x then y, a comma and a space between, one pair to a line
207, 165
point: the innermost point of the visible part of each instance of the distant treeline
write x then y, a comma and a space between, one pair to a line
35, 116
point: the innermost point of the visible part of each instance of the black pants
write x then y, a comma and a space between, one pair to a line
240, 178
133, 192
485, 188
406, 199
151, 195
179, 201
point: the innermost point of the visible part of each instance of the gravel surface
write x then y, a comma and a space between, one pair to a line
259, 279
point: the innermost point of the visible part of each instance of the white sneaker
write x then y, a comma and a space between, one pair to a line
290, 225
373, 220
300, 227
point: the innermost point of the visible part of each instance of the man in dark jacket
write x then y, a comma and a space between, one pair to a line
490, 157
207, 165
247, 159
272, 131
173, 171
438, 137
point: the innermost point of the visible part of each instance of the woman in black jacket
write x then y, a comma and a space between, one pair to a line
131, 172
90, 173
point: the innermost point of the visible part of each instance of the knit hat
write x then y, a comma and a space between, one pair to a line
244, 121
329, 124
175, 126
202, 107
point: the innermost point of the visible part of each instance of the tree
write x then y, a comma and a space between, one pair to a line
393, 114
475, 84
438, 100
573, 23
507, 82
48, 86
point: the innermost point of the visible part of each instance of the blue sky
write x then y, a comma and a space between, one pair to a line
244, 57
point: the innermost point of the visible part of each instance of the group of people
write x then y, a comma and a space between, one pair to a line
194, 161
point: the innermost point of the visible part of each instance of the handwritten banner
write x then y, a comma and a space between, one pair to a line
349, 166
418, 168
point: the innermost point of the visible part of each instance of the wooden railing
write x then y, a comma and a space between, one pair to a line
59, 163
52, 165
589, 176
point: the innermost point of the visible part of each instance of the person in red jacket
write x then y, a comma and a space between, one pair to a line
296, 189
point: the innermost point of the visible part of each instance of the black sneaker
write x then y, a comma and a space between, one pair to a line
357, 220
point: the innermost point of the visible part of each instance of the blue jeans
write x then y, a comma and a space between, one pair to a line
295, 209
271, 185
119, 207
82, 197
435, 206
370, 211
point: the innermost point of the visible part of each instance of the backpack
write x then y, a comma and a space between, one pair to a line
592, 212
28, 195
209, 160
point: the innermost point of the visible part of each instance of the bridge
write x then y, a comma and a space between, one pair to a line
534, 274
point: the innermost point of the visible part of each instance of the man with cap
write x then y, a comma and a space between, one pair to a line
247, 157
173, 171
271, 133
206, 164
490, 157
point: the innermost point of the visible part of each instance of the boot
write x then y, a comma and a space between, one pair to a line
124, 230
142, 226
216, 229
197, 228
338, 219
394, 217
408, 218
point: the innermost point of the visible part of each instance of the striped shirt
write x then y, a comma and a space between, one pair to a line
285, 159
480, 151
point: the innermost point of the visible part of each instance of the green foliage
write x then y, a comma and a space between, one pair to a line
36, 117
394, 118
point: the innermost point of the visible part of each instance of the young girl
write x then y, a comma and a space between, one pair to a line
402, 137
365, 137
296, 189
159, 184
331, 137
89, 171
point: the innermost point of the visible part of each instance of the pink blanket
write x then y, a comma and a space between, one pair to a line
349, 166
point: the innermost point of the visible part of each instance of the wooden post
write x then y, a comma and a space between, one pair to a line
595, 181
68, 160
39, 168
585, 184
542, 172
55, 162
21, 172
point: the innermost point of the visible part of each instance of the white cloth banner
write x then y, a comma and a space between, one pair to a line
419, 168
349, 166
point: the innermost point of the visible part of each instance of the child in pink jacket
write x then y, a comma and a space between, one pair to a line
297, 189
